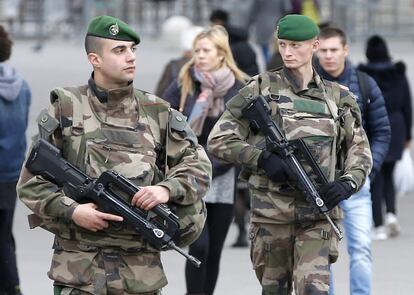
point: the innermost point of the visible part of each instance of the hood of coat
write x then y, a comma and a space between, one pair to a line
387, 75
10, 82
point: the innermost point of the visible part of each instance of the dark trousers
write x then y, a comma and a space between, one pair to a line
8, 268
207, 248
382, 189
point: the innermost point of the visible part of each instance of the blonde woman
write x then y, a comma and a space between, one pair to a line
204, 85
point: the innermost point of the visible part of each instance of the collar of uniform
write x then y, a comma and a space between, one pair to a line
112, 96
296, 85
317, 87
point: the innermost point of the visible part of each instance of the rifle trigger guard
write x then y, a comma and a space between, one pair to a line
273, 98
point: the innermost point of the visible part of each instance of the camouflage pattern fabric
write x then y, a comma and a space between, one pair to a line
290, 241
58, 290
124, 134
338, 143
280, 250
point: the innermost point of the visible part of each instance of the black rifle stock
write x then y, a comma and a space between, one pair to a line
258, 112
159, 225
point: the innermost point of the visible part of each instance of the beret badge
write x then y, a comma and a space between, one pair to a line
114, 29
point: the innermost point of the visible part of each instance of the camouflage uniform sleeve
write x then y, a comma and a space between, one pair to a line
227, 140
189, 169
358, 158
41, 196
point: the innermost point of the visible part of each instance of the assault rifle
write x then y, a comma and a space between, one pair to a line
159, 226
258, 112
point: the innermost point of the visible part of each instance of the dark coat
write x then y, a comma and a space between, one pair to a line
173, 93
374, 118
15, 99
393, 83
171, 71
14, 114
243, 53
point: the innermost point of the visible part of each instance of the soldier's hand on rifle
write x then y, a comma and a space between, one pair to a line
87, 216
150, 196
274, 166
336, 191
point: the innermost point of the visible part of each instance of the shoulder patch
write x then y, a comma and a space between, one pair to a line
47, 124
178, 124
177, 120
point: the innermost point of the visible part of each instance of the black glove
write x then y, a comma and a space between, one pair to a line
337, 191
274, 166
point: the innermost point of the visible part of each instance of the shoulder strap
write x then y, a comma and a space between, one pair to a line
364, 89
156, 109
73, 96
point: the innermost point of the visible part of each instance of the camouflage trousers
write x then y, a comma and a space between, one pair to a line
287, 255
59, 290
101, 271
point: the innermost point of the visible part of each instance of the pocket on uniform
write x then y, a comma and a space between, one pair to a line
333, 248
317, 131
72, 268
257, 248
142, 273
133, 162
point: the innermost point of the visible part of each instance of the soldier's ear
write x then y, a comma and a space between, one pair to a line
315, 45
95, 60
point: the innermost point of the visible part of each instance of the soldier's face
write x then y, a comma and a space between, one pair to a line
206, 55
297, 54
332, 54
115, 65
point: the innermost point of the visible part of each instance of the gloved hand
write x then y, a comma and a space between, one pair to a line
335, 192
274, 166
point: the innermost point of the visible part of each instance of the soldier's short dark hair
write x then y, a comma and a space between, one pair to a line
93, 44
5, 45
332, 31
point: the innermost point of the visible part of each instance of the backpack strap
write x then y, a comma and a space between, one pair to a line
332, 97
364, 89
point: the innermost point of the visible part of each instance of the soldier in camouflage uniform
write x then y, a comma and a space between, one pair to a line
291, 245
104, 125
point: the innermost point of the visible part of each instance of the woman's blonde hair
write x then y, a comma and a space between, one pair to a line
220, 38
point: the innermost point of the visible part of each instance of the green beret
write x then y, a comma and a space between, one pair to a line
296, 27
109, 27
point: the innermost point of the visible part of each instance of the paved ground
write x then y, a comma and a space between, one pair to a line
63, 63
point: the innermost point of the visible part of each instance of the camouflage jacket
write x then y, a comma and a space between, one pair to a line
325, 115
124, 132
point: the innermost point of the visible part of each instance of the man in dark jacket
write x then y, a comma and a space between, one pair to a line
334, 66
14, 109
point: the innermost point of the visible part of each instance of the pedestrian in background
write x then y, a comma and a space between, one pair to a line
246, 60
173, 67
291, 245
203, 87
243, 53
15, 98
263, 17
107, 124
276, 60
310, 8
335, 66
392, 80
